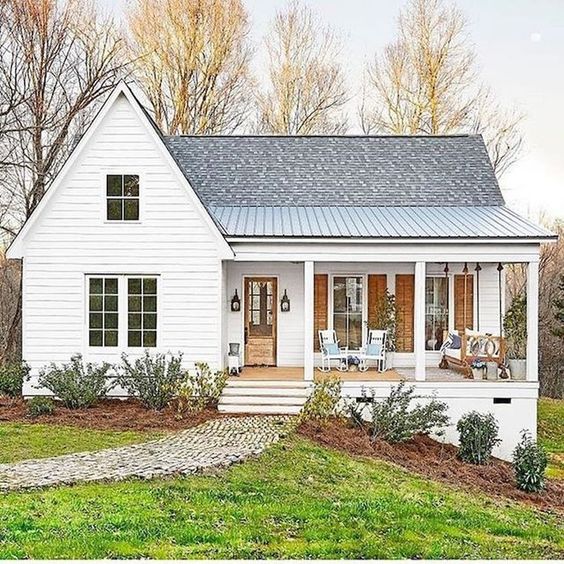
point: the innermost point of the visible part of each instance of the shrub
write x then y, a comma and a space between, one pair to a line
40, 406
392, 420
12, 376
529, 464
153, 378
322, 403
78, 384
199, 389
478, 436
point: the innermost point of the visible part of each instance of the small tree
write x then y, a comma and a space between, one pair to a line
385, 318
323, 401
558, 331
515, 327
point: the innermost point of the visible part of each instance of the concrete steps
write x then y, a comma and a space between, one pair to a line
264, 396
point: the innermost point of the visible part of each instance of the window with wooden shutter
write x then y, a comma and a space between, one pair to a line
320, 291
405, 298
463, 302
377, 285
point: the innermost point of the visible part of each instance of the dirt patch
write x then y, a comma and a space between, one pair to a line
434, 460
110, 414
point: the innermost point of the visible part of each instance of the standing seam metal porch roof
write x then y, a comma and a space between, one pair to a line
375, 222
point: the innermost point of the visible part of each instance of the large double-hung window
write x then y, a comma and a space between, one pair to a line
122, 311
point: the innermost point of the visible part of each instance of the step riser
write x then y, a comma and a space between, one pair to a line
265, 409
276, 392
261, 400
237, 382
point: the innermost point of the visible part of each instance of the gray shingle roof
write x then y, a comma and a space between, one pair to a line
376, 222
337, 171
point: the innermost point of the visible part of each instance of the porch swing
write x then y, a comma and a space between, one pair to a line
461, 348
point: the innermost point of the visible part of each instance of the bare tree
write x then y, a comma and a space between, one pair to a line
306, 92
57, 60
192, 58
425, 83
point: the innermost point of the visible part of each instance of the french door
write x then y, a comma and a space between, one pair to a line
348, 292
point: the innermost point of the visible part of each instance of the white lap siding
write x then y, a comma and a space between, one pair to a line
71, 240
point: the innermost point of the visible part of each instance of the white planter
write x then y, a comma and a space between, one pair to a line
389, 360
478, 373
518, 369
491, 369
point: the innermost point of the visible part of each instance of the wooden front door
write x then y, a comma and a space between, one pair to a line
260, 321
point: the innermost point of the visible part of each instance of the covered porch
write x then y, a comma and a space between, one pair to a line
438, 288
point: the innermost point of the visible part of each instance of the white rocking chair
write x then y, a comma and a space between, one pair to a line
374, 350
330, 351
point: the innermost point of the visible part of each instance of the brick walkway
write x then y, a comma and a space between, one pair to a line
214, 444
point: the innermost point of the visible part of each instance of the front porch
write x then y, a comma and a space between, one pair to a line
294, 373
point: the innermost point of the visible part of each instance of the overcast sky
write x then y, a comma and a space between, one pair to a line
520, 48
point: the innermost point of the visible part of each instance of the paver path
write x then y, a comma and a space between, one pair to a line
213, 444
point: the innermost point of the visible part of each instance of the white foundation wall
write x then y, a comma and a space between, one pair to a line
291, 278
462, 397
72, 239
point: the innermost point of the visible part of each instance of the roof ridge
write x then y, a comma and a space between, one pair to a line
321, 136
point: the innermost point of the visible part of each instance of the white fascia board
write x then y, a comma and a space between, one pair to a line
16, 248
397, 240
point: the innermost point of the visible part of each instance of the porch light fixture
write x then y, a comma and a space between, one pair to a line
235, 302
285, 303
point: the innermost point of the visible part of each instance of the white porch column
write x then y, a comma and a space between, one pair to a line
419, 321
308, 320
533, 321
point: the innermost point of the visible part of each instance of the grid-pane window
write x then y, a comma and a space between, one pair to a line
436, 312
103, 312
122, 197
142, 312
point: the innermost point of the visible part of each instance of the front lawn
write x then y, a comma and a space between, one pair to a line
298, 500
19, 441
551, 434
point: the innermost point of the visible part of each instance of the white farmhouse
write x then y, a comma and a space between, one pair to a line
187, 244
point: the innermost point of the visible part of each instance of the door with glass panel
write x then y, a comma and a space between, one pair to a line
347, 310
436, 311
260, 321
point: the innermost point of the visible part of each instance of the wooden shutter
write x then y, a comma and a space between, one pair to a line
405, 298
460, 320
377, 284
320, 288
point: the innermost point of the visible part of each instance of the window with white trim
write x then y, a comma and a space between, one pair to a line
142, 312
122, 197
122, 311
103, 315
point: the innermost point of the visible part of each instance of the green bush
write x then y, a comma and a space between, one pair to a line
323, 401
478, 436
529, 464
199, 389
77, 384
12, 376
393, 420
153, 378
40, 406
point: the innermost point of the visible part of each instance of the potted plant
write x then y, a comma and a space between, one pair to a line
478, 369
385, 318
515, 327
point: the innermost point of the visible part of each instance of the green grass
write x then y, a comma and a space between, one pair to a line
19, 441
551, 434
298, 500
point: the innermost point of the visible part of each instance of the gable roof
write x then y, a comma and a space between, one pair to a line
338, 171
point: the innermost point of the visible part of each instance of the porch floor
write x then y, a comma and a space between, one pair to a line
434, 374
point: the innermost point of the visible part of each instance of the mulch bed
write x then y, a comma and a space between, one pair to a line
109, 414
434, 460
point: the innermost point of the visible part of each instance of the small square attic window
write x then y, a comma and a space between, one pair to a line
122, 197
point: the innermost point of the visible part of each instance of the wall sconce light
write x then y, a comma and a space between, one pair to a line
235, 302
285, 302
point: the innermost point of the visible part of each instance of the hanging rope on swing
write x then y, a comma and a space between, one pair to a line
499, 271
465, 271
477, 269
